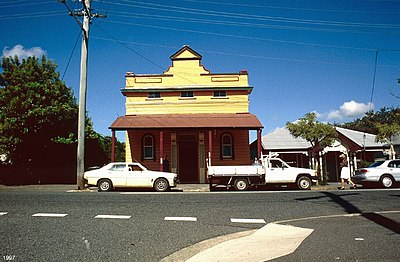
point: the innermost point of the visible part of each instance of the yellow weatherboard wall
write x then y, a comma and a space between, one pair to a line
187, 74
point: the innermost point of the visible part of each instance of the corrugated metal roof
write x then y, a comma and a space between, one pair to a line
360, 138
282, 139
163, 121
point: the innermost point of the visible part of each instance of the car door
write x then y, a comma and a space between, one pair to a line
394, 169
278, 172
137, 177
117, 175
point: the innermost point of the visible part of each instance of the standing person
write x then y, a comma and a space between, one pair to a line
345, 172
166, 166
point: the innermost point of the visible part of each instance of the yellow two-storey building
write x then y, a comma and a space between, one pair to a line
176, 120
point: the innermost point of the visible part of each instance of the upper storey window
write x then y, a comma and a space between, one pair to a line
187, 94
154, 95
219, 93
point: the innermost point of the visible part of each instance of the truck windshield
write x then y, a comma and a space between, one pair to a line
274, 163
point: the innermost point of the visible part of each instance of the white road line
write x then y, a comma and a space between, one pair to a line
113, 217
247, 220
3, 213
49, 215
190, 219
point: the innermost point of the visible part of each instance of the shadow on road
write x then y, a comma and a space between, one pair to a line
388, 223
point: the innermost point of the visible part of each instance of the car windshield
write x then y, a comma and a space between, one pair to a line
378, 163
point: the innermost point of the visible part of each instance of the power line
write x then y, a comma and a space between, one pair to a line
290, 8
241, 37
373, 79
32, 15
375, 69
238, 54
131, 49
170, 8
70, 57
28, 4
237, 24
142, 56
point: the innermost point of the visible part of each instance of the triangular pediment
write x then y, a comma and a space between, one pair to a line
186, 53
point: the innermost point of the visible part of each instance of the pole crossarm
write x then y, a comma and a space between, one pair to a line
85, 11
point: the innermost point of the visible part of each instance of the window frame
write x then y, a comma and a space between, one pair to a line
230, 145
187, 94
394, 164
154, 95
220, 94
145, 146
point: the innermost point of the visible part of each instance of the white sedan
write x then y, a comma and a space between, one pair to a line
385, 173
125, 175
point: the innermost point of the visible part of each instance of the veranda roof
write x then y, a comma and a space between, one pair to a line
166, 121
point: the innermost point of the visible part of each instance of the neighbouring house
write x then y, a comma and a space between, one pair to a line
396, 145
361, 148
176, 119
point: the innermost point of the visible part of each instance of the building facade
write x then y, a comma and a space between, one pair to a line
178, 120
360, 148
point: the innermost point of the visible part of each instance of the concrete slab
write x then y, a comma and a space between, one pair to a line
271, 241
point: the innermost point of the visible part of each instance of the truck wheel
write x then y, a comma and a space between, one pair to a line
304, 182
241, 184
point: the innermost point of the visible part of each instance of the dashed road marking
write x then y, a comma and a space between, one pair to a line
189, 219
113, 217
3, 213
248, 220
49, 215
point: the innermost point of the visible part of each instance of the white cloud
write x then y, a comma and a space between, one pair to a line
350, 109
23, 52
334, 114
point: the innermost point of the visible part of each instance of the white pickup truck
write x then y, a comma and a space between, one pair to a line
271, 170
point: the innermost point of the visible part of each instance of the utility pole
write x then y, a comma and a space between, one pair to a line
87, 15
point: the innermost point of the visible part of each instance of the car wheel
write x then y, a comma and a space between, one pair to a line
161, 185
387, 181
304, 182
105, 185
241, 184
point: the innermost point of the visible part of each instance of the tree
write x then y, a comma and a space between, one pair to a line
386, 134
37, 109
368, 123
319, 135
38, 123
385, 124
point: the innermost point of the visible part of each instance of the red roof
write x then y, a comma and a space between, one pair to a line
159, 121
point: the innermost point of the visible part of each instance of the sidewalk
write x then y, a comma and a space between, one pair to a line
179, 188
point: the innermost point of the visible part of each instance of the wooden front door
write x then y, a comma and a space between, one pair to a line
188, 166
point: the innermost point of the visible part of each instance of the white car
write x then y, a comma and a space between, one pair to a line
133, 174
385, 173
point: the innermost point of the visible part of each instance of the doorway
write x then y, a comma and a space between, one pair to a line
188, 162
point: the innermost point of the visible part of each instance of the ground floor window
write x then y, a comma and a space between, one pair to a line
227, 146
148, 147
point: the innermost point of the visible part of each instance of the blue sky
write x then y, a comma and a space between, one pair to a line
302, 56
